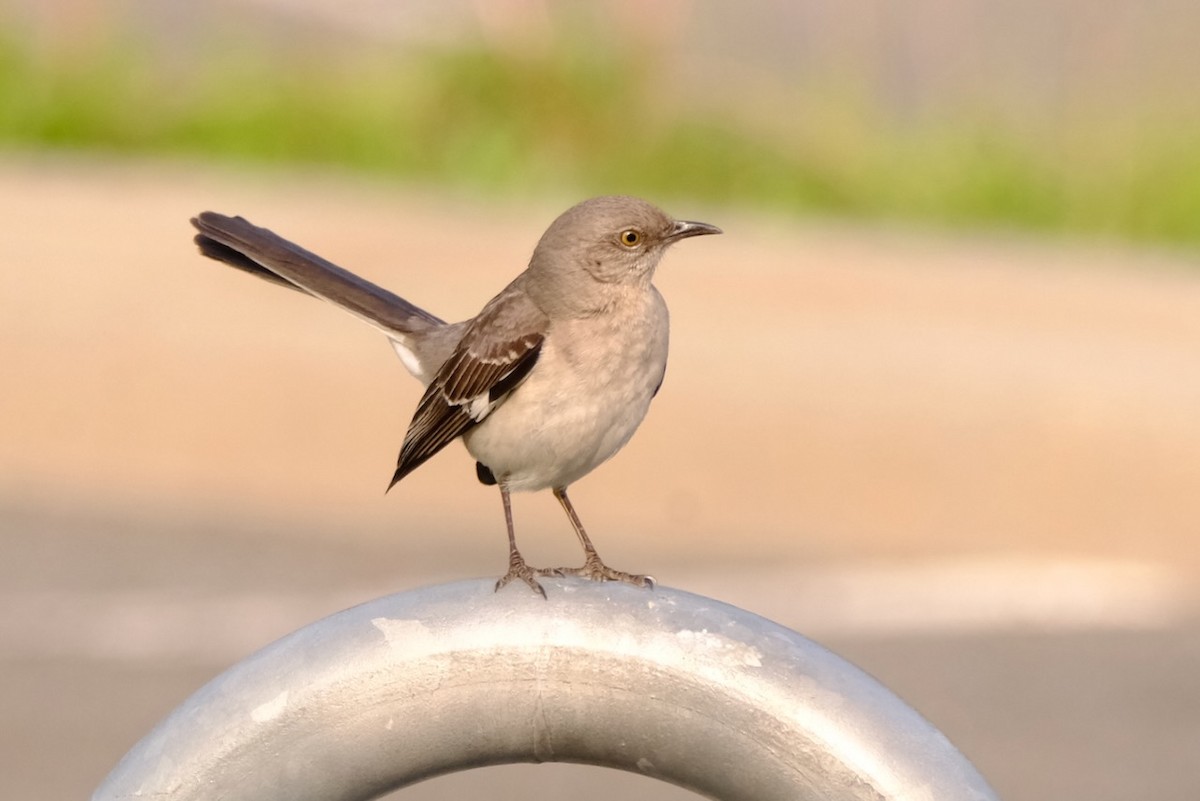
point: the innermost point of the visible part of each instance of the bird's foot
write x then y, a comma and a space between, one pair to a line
596, 570
517, 569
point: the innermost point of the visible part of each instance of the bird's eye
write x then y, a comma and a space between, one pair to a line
630, 237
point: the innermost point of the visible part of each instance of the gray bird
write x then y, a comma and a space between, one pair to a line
548, 381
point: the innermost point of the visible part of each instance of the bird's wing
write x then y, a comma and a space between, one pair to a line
241, 244
496, 353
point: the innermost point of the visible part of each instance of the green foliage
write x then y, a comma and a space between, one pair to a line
596, 122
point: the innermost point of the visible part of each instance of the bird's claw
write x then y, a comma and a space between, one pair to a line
593, 569
596, 570
527, 574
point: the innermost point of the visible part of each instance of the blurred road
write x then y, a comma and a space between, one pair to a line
970, 465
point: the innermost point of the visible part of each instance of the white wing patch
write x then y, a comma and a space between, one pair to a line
479, 407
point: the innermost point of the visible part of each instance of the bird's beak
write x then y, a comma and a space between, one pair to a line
683, 229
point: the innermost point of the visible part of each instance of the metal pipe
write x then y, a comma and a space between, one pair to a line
660, 682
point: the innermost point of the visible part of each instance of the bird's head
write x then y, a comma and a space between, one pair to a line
610, 240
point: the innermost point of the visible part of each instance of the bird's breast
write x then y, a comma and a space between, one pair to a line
591, 388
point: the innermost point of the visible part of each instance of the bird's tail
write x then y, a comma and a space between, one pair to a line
240, 244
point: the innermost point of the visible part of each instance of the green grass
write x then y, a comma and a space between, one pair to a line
592, 122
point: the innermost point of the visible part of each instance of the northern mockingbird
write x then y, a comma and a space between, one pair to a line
548, 381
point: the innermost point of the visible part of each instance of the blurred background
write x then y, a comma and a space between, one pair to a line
932, 399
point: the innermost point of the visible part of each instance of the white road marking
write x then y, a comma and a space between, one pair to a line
875, 599
968, 595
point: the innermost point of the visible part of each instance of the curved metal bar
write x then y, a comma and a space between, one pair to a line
664, 683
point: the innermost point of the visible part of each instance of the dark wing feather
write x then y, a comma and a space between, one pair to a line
496, 353
434, 426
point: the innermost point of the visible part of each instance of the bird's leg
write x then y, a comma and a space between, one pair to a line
517, 569
593, 568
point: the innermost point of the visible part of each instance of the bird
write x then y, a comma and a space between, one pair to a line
549, 380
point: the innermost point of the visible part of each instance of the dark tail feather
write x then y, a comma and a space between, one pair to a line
235, 258
240, 244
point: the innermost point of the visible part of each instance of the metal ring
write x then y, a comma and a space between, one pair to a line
455, 676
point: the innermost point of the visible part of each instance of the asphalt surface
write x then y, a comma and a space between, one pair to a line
108, 624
